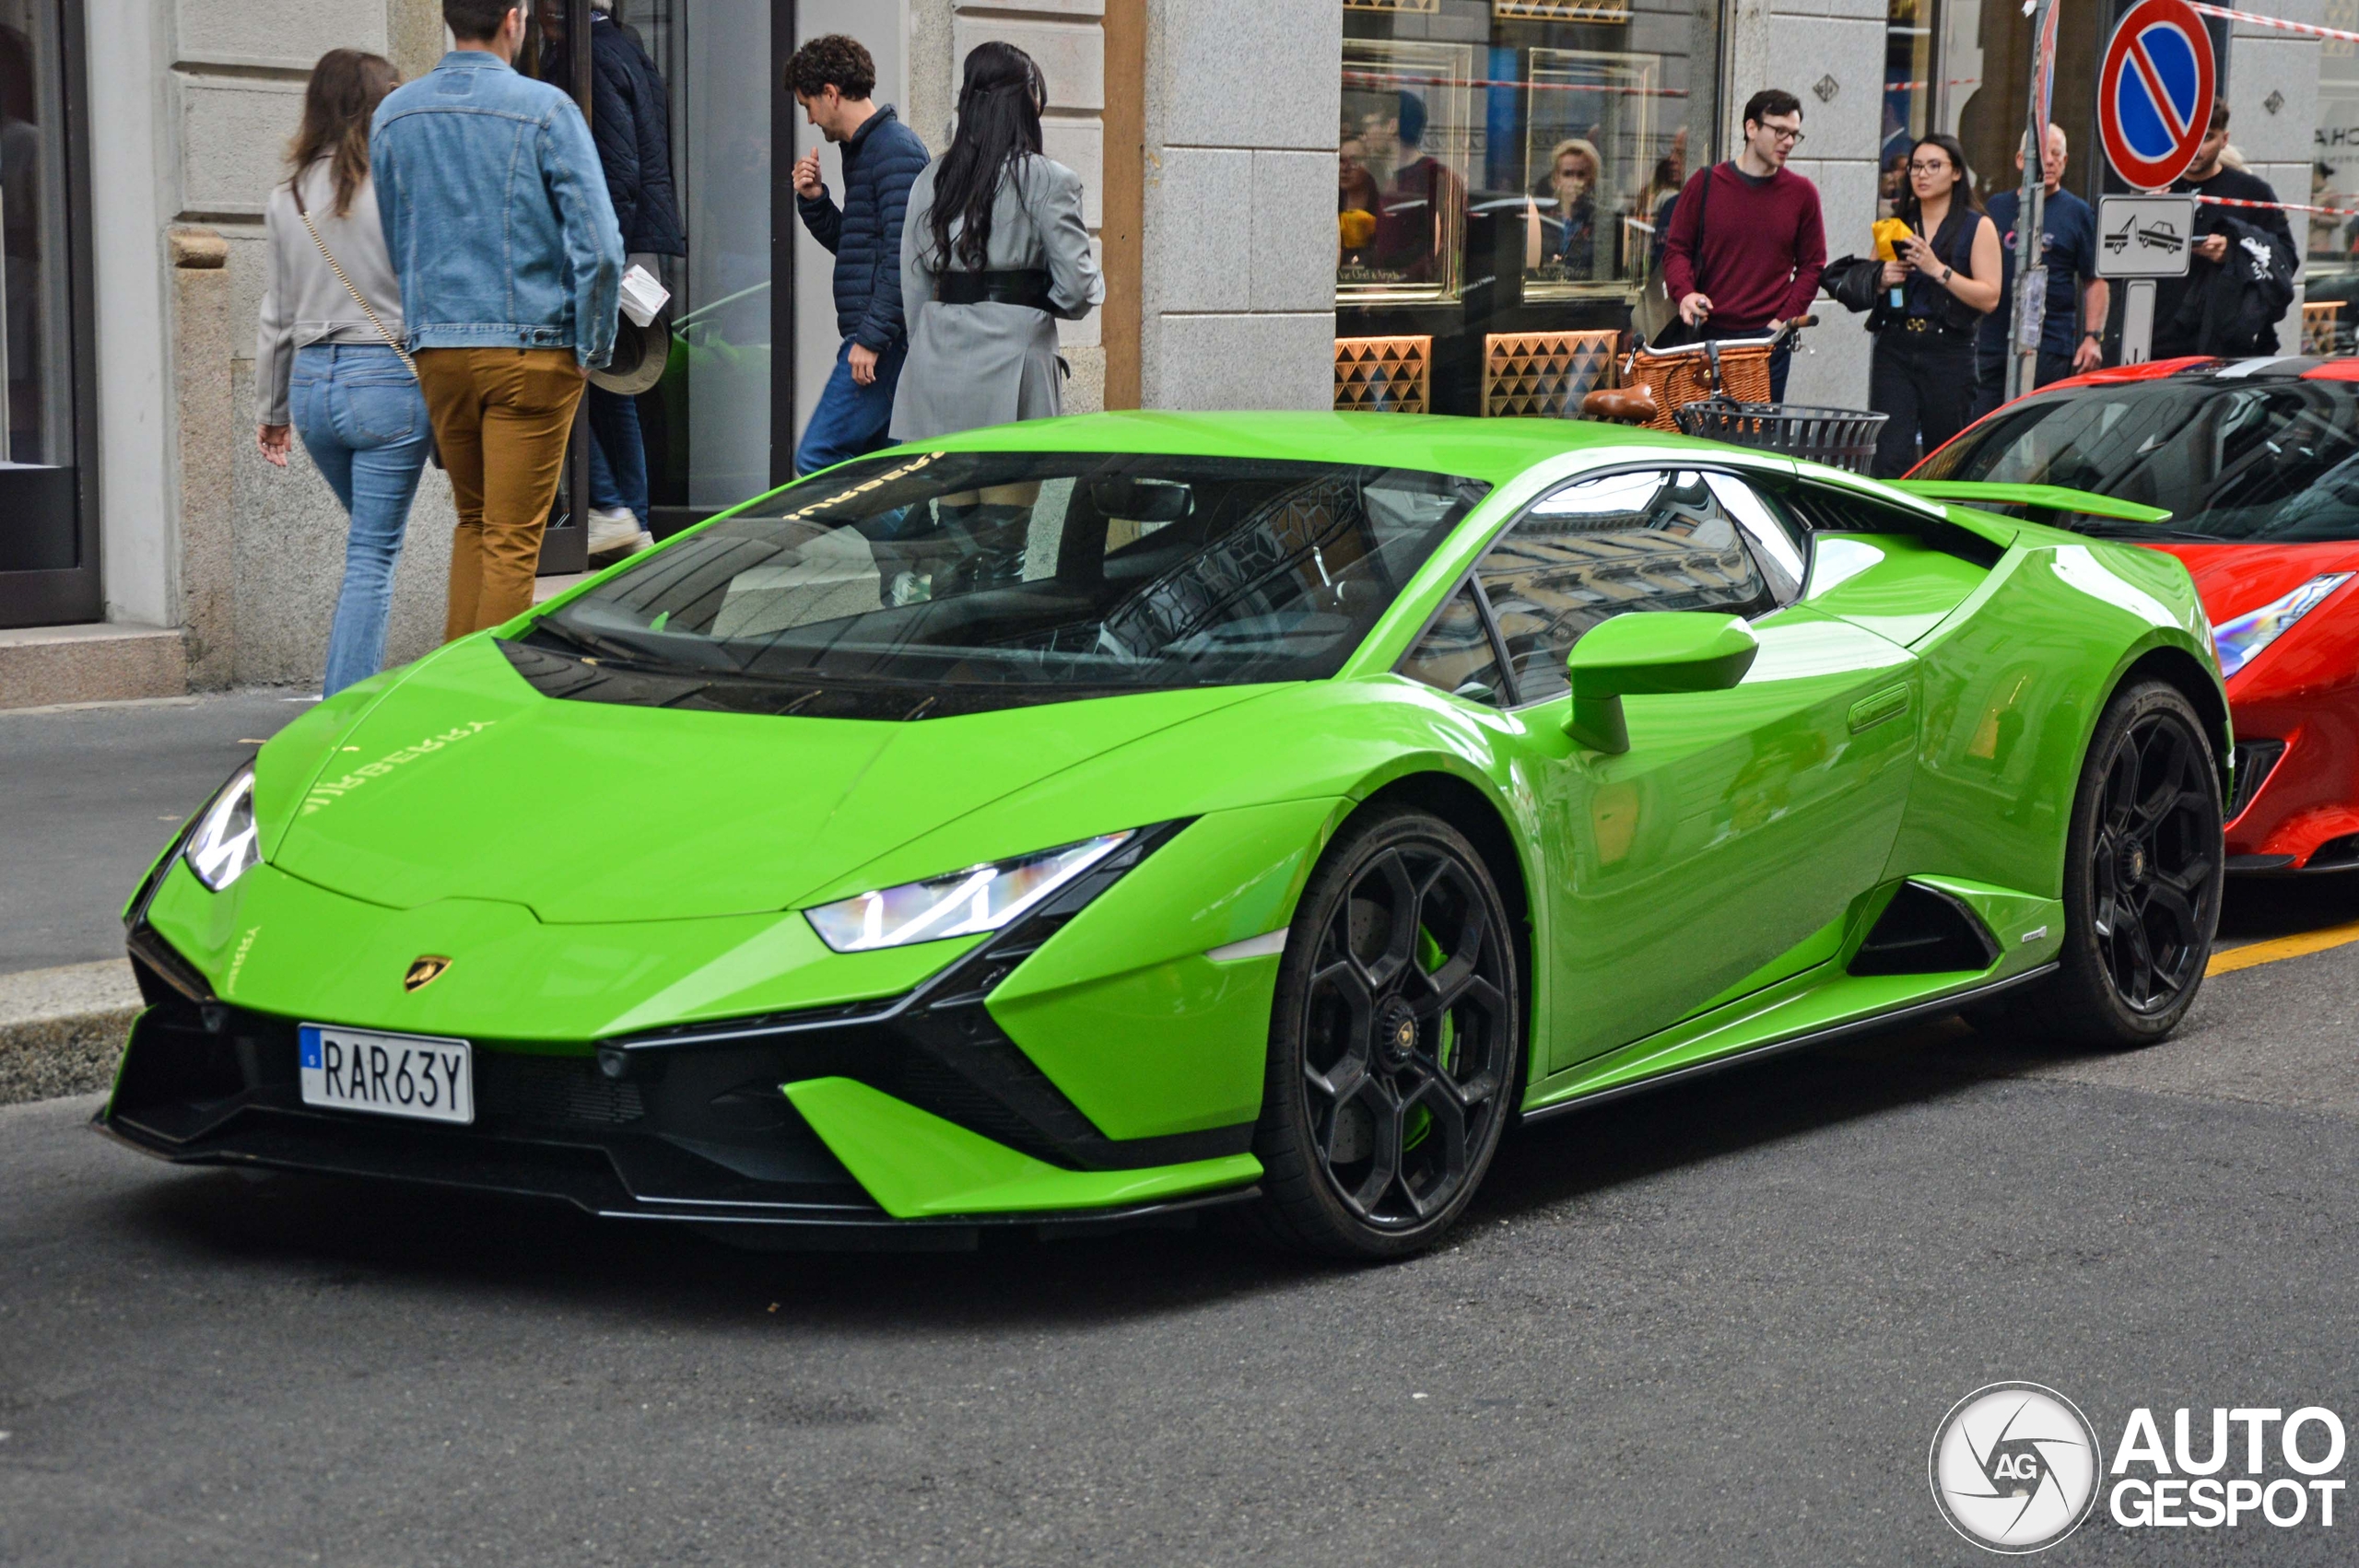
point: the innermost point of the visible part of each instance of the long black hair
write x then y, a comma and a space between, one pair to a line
1908, 209
999, 121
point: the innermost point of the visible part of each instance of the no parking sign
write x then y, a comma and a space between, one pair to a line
2154, 92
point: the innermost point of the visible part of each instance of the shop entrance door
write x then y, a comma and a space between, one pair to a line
718, 425
49, 545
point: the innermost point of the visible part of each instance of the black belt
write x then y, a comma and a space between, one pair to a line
1023, 286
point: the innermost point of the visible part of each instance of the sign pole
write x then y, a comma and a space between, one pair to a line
2138, 322
2154, 94
2023, 364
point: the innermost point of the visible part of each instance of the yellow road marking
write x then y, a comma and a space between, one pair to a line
2281, 947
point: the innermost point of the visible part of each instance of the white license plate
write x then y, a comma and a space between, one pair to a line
410, 1075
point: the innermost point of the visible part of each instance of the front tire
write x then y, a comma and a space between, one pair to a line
1395, 1043
2142, 875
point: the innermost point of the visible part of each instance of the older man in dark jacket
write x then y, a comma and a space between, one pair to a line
833, 76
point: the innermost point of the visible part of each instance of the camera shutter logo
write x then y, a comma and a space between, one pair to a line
2014, 1466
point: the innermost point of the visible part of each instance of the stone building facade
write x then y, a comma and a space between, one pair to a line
1206, 131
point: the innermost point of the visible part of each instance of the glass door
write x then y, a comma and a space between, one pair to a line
49, 565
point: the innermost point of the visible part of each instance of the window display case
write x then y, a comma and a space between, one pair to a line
49, 558
1590, 160
1504, 169
1401, 170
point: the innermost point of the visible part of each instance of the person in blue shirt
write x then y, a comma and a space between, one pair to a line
2071, 333
832, 77
496, 215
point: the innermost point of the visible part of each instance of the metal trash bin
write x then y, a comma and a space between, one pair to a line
1842, 438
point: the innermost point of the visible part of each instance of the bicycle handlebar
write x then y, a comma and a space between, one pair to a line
1786, 333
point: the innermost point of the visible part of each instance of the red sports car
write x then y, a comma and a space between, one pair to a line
2257, 462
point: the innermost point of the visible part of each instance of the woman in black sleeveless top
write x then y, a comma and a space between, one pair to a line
1923, 373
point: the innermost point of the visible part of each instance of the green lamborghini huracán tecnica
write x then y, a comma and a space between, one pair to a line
1084, 822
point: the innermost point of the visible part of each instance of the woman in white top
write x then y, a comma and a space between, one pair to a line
325, 362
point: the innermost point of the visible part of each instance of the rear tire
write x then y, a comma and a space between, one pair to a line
1395, 1043
2142, 875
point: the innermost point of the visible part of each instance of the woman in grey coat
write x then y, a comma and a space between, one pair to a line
994, 254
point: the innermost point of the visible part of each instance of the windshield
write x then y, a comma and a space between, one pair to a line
990, 578
2274, 460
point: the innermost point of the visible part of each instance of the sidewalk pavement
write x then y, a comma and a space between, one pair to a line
93, 793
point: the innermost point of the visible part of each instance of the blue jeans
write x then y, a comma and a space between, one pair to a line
617, 454
850, 420
363, 420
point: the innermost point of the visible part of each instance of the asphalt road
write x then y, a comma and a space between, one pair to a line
92, 792
1717, 1324
1714, 1324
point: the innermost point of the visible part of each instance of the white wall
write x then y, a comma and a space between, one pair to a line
1799, 45
1242, 99
2277, 143
129, 153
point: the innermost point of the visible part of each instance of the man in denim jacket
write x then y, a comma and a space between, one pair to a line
496, 210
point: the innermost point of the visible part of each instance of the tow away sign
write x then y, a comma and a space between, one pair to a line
2144, 236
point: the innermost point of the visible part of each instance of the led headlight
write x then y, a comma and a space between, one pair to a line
223, 847
2240, 639
981, 899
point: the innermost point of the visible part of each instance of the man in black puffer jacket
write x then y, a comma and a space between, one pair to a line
833, 76
630, 120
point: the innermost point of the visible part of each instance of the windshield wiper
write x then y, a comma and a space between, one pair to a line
591, 644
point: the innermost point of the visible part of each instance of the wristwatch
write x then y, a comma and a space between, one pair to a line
2098, 336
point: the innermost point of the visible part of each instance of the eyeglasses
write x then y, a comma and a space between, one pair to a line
1928, 168
1792, 139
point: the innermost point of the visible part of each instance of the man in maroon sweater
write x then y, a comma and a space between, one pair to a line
1745, 258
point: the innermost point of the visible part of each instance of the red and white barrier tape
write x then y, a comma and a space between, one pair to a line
1389, 78
2258, 20
2278, 206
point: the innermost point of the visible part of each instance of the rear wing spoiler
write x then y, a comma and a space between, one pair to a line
2041, 501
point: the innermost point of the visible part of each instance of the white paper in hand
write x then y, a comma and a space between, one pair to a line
642, 296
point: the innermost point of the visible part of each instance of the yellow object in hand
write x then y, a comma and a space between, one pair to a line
1889, 232
1355, 228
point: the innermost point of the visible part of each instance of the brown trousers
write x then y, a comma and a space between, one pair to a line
501, 417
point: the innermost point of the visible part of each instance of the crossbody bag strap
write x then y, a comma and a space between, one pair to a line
294, 188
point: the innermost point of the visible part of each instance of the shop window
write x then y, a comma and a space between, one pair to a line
1504, 167
1909, 91
48, 543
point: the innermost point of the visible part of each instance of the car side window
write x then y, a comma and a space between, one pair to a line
1781, 545
1651, 540
1456, 654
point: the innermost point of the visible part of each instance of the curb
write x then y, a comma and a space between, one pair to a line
62, 1030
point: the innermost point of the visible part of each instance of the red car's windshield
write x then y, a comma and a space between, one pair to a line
2265, 460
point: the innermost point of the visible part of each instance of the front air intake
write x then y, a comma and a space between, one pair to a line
1926, 931
2255, 761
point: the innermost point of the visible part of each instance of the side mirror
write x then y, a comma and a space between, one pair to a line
1644, 653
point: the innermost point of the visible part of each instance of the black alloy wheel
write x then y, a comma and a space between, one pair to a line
1394, 1042
2142, 875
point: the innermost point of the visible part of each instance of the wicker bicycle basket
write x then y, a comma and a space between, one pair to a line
1842, 438
1695, 372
